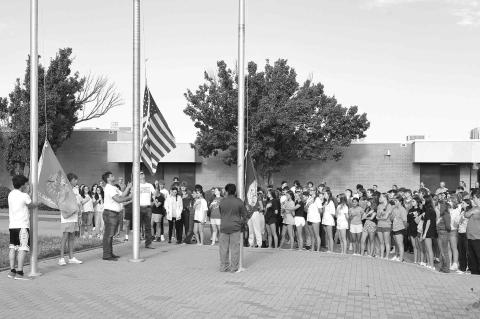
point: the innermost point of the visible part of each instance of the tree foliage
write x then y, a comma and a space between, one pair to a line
66, 95
286, 121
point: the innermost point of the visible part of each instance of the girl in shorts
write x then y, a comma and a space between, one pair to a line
384, 225
314, 207
328, 220
399, 222
356, 228
288, 212
429, 229
87, 214
215, 214
412, 216
369, 230
342, 221
200, 216
272, 210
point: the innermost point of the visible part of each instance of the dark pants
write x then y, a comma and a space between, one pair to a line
462, 251
146, 219
178, 229
189, 235
443, 240
474, 256
186, 221
229, 248
110, 219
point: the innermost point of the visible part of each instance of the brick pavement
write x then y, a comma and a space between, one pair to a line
183, 281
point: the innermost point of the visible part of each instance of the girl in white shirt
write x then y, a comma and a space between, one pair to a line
454, 208
87, 215
342, 221
314, 207
327, 220
98, 201
200, 217
174, 208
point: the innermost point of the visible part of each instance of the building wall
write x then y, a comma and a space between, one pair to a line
213, 172
85, 154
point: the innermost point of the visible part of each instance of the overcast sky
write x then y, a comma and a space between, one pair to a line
412, 65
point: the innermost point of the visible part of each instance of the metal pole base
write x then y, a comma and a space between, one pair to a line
139, 260
35, 274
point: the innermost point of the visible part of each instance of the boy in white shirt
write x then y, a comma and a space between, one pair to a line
19, 225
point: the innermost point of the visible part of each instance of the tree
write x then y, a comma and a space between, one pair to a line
285, 121
69, 99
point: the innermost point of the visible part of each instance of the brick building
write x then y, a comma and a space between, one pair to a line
90, 152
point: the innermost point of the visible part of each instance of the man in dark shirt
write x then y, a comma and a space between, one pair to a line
232, 215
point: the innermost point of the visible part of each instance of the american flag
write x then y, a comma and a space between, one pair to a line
157, 140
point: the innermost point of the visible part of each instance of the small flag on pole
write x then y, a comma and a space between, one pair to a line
54, 189
251, 185
158, 139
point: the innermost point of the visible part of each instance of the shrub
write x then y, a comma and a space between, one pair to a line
4, 191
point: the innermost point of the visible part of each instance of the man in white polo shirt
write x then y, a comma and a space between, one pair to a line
113, 197
147, 194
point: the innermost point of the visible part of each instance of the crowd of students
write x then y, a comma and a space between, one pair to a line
438, 227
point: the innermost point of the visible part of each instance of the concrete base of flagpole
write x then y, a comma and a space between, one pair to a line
139, 260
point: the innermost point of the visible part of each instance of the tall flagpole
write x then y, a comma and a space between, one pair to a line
34, 133
241, 113
136, 134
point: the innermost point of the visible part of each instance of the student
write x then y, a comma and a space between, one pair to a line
355, 214
188, 212
87, 214
300, 217
413, 213
443, 231
98, 208
429, 229
454, 209
272, 210
328, 220
69, 225
314, 211
215, 214
147, 194
384, 225
158, 214
19, 225
288, 211
369, 229
462, 236
342, 221
473, 234
200, 217
174, 208
399, 222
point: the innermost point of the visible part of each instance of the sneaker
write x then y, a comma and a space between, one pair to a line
22, 277
460, 272
436, 260
162, 238
423, 264
62, 262
12, 274
454, 267
74, 260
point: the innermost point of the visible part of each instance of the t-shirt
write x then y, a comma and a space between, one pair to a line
232, 212
18, 214
270, 211
88, 205
413, 213
355, 214
146, 192
300, 211
161, 208
399, 216
215, 208
430, 215
109, 203
200, 210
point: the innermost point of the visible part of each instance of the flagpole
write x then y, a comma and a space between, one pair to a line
241, 113
34, 134
136, 134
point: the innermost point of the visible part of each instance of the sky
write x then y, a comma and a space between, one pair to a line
412, 65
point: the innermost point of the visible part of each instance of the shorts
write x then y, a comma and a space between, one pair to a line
299, 221
369, 227
215, 221
19, 239
156, 218
384, 229
70, 227
399, 232
289, 220
356, 229
87, 218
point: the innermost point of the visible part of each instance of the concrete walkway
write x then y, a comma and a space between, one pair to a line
178, 281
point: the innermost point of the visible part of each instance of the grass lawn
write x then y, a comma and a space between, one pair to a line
49, 246
40, 212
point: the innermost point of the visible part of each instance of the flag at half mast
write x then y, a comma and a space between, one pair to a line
157, 139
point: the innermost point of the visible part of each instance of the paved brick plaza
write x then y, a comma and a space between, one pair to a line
183, 281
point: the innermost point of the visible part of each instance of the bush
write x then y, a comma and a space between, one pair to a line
4, 191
